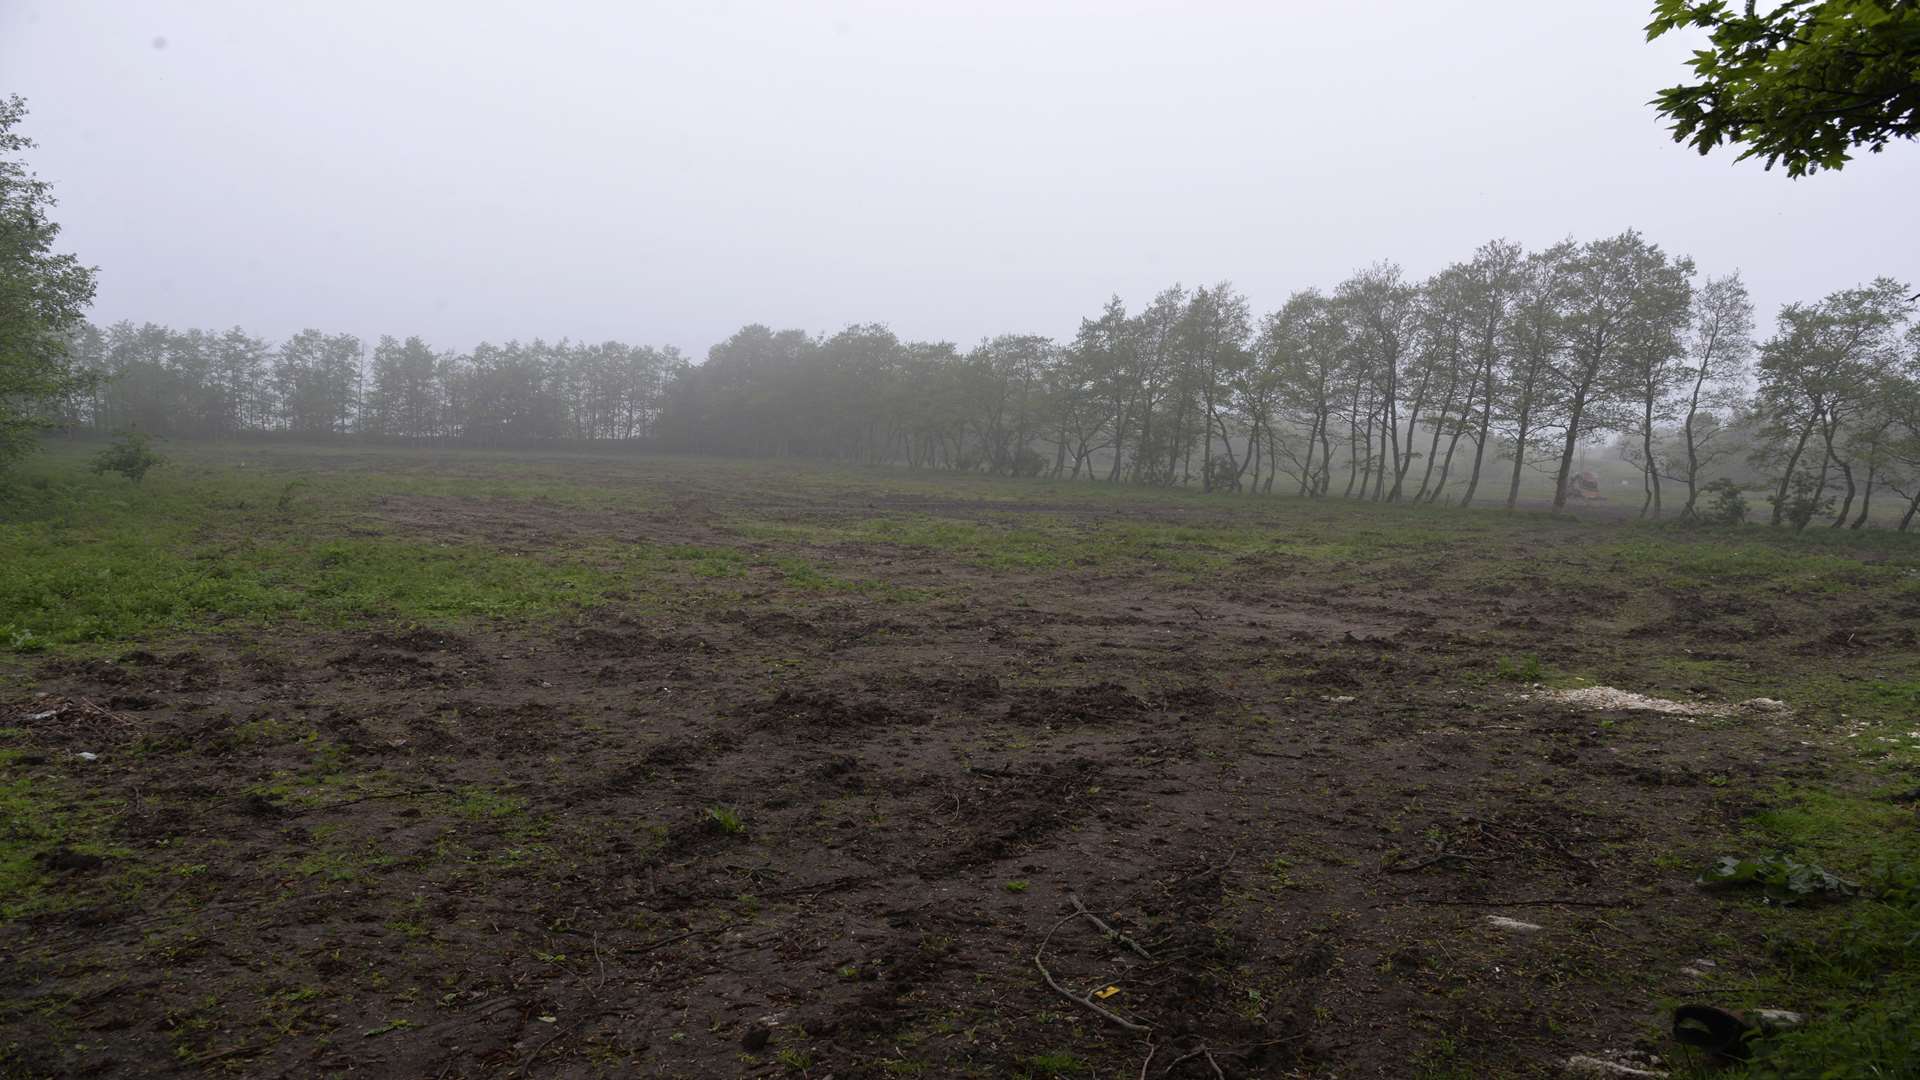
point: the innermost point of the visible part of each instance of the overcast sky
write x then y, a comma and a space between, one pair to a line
663, 173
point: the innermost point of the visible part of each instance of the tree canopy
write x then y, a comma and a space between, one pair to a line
43, 295
1800, 83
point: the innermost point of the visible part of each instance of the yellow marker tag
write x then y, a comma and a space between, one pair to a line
1107, 993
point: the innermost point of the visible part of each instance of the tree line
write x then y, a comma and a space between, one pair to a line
220, 384
1452, 389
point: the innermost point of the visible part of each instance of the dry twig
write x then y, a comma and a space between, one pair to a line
1085, 1002
640, 950
1112, 934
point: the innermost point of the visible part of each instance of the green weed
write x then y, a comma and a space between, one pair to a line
727, 819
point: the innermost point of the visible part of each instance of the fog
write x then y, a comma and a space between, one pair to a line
667, 172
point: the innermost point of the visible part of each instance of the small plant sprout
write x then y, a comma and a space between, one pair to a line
726, 818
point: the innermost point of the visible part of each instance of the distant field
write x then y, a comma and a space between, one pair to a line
419, 763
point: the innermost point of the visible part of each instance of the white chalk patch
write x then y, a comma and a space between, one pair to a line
1501, 922
1609, 698
1580, 1065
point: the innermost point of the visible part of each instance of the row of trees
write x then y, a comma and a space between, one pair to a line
1449, 389
206, 384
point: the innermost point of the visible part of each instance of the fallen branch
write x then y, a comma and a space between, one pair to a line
1085, 1002
1409, 868
1206, 872
1207, 1052
641, 950
1111, 933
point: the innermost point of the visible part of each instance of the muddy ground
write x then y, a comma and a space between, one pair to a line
739, 827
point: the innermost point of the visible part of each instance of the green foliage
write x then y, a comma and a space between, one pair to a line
1780, 877
1856, 965
1871, 1041
131, 455
42, 296
1805, 500
1725, 503
727, 819
1801, 82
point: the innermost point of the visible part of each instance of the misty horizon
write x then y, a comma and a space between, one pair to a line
668, 176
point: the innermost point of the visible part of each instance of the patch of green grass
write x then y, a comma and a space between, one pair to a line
995, 546
478, 804
1853, 964
1442, 1059
1519, 669
709, 562
97, 560
36, 820
1783, 563
727, 819
135, 578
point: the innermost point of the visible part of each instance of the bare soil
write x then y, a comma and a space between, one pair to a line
406, 852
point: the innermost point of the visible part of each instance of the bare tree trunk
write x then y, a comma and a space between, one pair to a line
1846, 472
1652, 464
1446, 465
1479, 454
1380, 463
1519, 456
1567, 451
1866, 498
1433, 457
1403, 464
1355, 438
1306, 468
1326, 458
1786, 476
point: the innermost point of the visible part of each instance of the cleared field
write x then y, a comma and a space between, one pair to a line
459, 764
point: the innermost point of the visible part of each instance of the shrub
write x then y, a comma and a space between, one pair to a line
1725, 504
1806, 499
1223, 475
131, 455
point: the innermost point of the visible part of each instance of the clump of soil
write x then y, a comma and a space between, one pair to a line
798, 711
1099, 703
